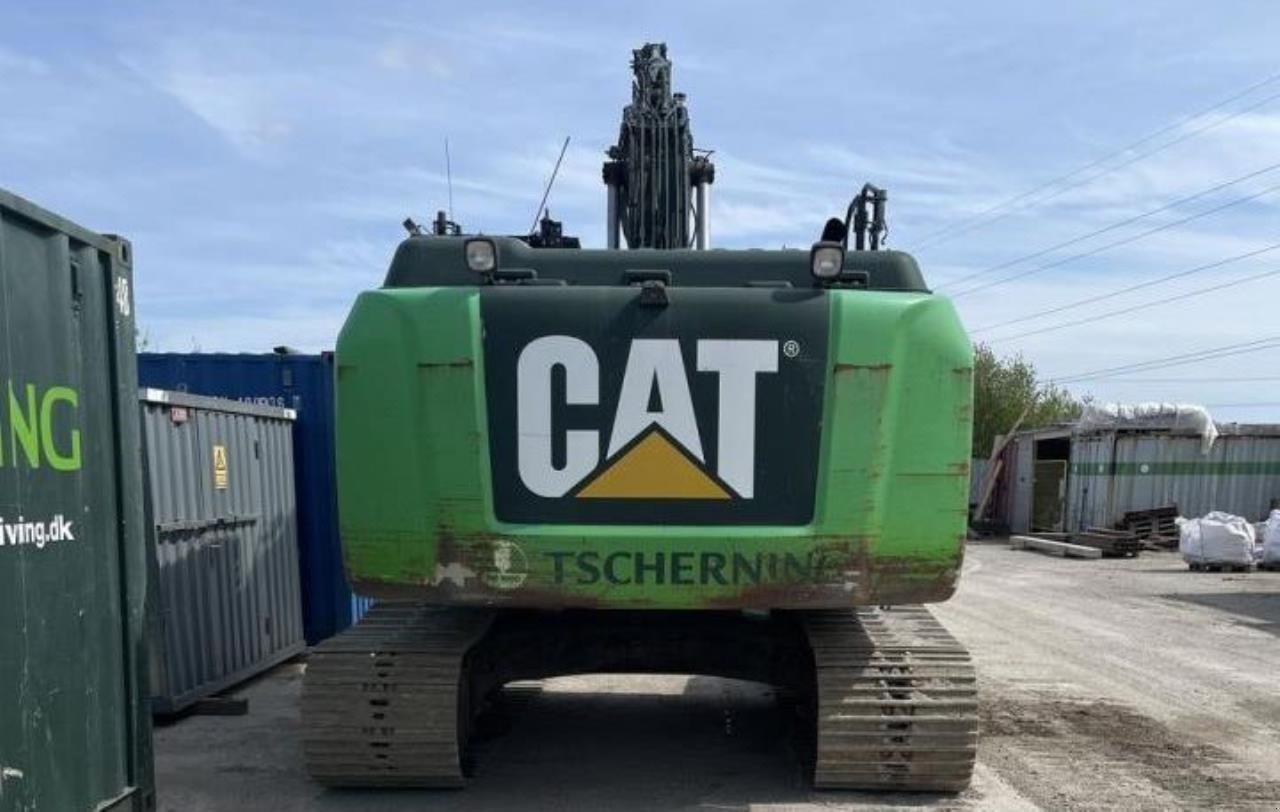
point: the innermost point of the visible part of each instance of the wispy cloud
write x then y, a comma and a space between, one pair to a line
13, 63
404, 55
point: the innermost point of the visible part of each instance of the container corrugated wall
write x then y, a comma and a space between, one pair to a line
303, 383
227, 597
74, 729
1115, 472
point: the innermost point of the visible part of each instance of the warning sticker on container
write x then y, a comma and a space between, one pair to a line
220, 475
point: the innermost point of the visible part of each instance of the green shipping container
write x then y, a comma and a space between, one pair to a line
74, 729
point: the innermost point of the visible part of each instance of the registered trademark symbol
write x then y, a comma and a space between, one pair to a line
791, 348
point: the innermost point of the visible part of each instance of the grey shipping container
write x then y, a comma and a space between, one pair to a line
303, 383
74, 730
227, 601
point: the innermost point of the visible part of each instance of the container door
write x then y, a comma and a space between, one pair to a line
66, 698
1021, 486
1048, 494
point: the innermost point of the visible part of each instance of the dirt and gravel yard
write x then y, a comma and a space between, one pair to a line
1112, 684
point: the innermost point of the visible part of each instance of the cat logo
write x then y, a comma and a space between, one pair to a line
601, 411
655, 449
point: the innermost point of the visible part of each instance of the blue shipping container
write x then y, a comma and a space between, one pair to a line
303, 383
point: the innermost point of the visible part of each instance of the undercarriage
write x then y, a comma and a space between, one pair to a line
887, 697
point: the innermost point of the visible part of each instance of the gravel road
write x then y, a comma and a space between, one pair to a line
1113, 684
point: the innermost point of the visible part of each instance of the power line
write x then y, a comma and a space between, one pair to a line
1116, 243
1255, 405
1173, 360
1113, 226
1143, 306
968, 224
1190, 134
1262, 379
1097, 162
1130, 289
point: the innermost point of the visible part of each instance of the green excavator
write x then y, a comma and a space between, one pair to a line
655, 457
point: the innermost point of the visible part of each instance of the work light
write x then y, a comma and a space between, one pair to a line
482, 255
826, 259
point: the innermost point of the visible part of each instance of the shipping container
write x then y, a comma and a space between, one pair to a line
74, 729
226, 597
303, 383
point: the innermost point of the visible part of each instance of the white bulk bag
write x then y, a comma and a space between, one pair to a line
1218, 538
1271, 540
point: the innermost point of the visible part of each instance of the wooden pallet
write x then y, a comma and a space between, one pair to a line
1160, 542
1157, 526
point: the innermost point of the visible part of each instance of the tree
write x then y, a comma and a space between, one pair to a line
1002, 388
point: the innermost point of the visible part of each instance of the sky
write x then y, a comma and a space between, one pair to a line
261, 156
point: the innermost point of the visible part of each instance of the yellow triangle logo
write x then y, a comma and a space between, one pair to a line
653, 468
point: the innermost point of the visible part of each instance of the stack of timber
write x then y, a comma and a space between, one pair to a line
1112, 543
1053, 546
1156, 528
1096, 542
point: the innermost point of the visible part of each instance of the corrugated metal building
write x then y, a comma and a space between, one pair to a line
303, 383
1117, 471
1067, 479
226, 600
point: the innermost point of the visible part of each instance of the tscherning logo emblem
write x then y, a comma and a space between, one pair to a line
655, 447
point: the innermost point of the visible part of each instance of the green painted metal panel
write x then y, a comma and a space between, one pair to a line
416, 472
74, 732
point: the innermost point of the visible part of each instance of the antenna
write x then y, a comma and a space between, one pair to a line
448, 170
533, 228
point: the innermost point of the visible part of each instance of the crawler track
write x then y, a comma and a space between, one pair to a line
384, 704
896, 701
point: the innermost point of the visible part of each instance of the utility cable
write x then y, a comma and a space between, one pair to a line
1262, 379
1256, 345
1116, 243
1133, 308
946, 233
1112, 227
1130, 289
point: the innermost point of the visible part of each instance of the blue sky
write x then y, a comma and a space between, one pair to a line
261, 156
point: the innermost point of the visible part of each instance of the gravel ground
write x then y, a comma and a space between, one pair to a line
1113, 684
